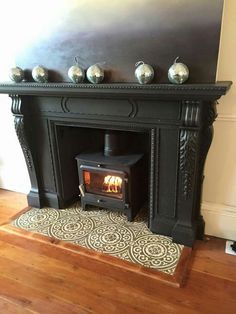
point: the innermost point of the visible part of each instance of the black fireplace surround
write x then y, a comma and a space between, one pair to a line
170, 125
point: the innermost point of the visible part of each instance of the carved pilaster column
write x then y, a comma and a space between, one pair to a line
189, 138
188, 148
16, 108
19, 126
195, 139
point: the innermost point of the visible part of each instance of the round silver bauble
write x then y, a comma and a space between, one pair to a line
95, 74
16, 74
178, 73
144, 73
76, 74
40, 74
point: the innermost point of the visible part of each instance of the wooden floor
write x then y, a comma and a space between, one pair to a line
38, 278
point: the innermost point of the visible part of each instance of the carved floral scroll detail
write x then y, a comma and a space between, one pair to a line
188, 150
19, 127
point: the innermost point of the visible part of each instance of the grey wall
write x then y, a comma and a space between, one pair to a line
120, 33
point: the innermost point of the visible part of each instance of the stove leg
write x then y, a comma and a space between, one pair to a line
130, 216
83, 205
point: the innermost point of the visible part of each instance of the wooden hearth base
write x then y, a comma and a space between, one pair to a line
90, 259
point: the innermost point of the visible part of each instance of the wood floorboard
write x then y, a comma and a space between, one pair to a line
42, 277
10, 204
209, 257
35, 300
10, 307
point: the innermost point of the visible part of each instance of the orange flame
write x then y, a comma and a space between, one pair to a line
87, 177
112, 184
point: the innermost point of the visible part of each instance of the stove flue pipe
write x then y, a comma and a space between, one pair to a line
112, 143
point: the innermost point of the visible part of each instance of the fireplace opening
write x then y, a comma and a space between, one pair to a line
115, 177
72, 141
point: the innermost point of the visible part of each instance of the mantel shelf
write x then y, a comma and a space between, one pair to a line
214, 90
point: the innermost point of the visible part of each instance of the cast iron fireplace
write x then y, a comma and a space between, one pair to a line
171, 125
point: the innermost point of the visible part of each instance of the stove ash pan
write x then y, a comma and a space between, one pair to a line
113, 182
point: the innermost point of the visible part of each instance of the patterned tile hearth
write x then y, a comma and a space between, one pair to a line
107, 232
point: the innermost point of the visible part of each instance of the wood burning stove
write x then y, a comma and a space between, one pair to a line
112, 180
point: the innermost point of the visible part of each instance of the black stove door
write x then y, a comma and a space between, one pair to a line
103, 186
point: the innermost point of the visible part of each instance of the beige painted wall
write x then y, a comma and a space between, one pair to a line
219, 191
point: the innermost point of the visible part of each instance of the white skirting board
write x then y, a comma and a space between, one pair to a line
220, 220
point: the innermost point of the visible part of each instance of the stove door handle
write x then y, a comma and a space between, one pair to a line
81, 188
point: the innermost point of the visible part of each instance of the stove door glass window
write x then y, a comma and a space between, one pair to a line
104, 182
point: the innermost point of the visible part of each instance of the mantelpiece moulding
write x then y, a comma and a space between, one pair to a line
188, 91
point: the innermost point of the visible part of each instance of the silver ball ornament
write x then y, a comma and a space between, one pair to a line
16, 74
95, 74
144, 73
76, 74
40, 74
178, 73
